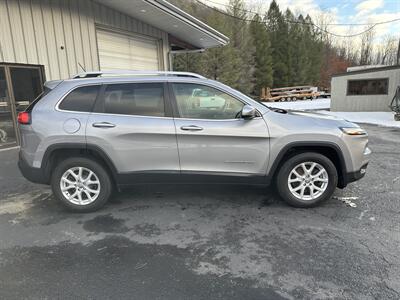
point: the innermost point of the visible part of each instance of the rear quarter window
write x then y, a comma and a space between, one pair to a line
81, 99
38, 98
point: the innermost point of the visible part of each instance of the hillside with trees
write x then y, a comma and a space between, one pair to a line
274, 48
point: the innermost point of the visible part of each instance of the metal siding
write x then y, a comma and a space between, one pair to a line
29, 35
84, 26
51, 44
92, 36
40, 36
17, 35
59, 38
341, 102
33, 31
6, 41
76, 32
69, 37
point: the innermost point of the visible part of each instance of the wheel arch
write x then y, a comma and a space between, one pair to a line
329, 149
56, 152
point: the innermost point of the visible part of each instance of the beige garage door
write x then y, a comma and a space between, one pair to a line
119, 51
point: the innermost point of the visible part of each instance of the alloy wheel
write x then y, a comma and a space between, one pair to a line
80, 185
308, 181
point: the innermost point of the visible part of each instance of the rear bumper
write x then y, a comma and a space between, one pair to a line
35, 175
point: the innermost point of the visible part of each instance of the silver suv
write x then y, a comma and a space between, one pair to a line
98, 131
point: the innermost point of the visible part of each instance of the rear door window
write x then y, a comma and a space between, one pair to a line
80, 99
140, 99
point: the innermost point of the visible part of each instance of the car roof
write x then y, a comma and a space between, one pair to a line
71, 83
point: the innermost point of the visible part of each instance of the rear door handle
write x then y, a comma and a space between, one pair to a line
103, 125
192, 128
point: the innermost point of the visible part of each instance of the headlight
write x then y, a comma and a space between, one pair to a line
353, 130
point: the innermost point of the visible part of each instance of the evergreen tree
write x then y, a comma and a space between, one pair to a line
222, 63
280, 50
314, 45
241, 41
291, 39
263, 73
277, 28
303, 47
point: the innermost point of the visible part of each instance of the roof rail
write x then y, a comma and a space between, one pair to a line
134, 73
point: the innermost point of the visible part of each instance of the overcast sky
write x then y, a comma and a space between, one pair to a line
339, 11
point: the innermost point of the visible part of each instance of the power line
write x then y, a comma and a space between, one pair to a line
298, 22
328, 24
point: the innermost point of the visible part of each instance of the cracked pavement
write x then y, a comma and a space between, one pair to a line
205, 242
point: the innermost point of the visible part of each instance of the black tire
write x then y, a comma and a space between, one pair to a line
103, 177
284, 173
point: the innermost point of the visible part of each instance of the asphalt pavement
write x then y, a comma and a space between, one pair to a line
205, 242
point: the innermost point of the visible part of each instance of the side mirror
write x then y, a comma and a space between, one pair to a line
248, 112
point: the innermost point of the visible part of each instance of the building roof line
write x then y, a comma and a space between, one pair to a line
189, 19
168, 18
370, 70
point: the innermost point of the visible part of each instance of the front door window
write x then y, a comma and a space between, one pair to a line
197, 101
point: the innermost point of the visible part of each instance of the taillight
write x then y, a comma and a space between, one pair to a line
24, 118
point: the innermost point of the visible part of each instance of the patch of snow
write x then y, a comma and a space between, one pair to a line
347, 200
302, 104
382, 118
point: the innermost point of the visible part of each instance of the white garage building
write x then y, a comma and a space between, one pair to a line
55, 39
369, 88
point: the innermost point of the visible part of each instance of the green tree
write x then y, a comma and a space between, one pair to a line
263, 72
314, 42
278, 30
301, 62
241, 40
291, 47
222, 63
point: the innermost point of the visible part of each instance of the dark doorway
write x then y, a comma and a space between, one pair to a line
20, 84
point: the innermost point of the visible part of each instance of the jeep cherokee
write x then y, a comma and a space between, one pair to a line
102, 130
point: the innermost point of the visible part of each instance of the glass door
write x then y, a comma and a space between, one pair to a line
27, 84
20, 84
8, 136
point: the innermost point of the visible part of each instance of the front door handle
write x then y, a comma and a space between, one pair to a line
103, 125
192, 128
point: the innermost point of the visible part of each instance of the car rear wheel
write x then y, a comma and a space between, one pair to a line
81, 184
307, 179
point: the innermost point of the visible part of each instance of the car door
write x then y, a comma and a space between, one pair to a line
131, 122
214, 139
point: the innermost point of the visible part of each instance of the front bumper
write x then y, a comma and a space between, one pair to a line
360, 160
354, 176
35, 175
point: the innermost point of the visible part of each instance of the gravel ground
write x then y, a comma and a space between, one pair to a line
202, 242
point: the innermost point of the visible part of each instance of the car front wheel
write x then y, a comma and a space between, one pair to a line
81, 184
307, 179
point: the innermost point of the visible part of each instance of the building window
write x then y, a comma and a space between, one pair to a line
368, 87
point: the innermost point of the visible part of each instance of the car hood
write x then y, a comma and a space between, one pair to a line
318, 119
313, 115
